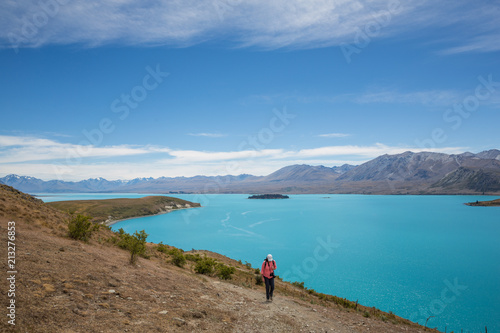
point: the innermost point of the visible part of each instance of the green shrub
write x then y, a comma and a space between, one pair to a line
205, 266
249, 265
162, 248
366, 314
193, 257
178, 259
135, 243
225, 272
138, 245
174, 251
80, 227
257, 271
299, 284
258, 280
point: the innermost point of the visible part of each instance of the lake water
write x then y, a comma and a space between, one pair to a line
417, 256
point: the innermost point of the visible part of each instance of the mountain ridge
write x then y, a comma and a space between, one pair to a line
405, 173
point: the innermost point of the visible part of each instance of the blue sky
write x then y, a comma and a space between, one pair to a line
125, 89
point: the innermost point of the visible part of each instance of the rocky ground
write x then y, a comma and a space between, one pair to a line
63, 285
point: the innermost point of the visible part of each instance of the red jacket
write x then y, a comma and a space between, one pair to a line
267, 268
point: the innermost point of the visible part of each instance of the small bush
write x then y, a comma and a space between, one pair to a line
299, 284
80, 227
225, 272
366, 314
193, 257
175, 251
249, 265
257, 271
178, 259
205, 266
162, 248
135, 243
258, 280
138, 246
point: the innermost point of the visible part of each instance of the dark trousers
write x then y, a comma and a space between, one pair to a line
269, 287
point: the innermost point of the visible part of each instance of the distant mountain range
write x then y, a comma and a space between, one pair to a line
406, 173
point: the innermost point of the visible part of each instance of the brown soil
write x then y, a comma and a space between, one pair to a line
63, 285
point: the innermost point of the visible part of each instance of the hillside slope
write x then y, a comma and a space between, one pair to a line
65, 285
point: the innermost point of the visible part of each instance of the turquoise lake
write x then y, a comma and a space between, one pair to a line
417, 256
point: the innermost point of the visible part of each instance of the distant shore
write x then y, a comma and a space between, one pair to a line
111, 211
491, 203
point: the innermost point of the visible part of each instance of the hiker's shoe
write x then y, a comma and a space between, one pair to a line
271, 299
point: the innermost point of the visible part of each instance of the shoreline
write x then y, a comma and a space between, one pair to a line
110, 223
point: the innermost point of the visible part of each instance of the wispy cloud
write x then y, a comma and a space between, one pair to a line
208, 135
385, 95
260, 23
334, 135
476, 28
429, 97
15, 149
479, 44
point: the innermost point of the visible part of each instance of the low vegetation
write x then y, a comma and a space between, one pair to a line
80, 227
135, 244
178, 258
225, 272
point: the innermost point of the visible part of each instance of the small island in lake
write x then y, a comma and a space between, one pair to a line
491, 203
268, 196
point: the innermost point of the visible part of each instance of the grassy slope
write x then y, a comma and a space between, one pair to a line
66, 285
120, 209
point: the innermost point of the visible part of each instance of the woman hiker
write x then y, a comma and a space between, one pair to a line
267, 272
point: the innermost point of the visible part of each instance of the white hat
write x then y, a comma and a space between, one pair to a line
269, 257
